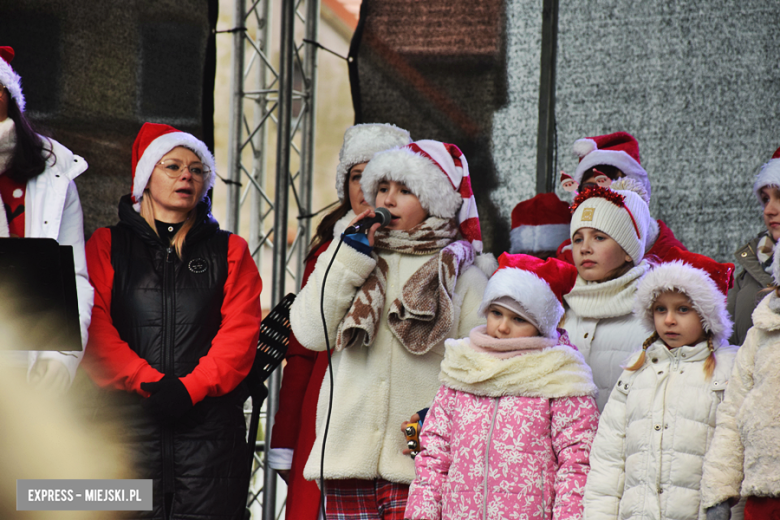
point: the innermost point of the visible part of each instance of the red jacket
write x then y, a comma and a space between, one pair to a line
112, 363
294, 424
665, 241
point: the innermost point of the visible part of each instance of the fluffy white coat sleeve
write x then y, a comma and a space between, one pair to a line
722, 473
348, 273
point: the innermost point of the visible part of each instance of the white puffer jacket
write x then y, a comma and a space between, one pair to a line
600, 322
378, 387
646, 461
745, 455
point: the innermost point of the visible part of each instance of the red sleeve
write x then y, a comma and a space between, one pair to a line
233, 348
109, 360
299, 364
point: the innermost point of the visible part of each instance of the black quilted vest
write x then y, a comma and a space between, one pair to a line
168, 310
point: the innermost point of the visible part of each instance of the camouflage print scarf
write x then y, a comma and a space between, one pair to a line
423, 315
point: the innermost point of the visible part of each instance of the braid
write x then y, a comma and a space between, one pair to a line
709, 365
641, 359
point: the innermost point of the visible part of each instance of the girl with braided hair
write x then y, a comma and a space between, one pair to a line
648, 455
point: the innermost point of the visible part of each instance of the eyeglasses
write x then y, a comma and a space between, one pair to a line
173, 168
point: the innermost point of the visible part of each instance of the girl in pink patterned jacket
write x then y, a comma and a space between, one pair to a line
510, 430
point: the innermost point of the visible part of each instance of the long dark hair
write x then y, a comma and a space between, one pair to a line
325, 228
29, 158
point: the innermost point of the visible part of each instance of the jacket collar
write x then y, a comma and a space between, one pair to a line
746, 257
767, 313
204, 227
689, 353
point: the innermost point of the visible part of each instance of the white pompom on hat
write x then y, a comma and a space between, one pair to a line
9, 78
702, 279
152, 143
536, 285
622, 215
438, 174
769, 175
361, 142
620, 150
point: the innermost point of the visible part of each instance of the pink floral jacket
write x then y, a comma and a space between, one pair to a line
506, 438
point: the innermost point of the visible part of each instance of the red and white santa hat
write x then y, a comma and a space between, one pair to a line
155, 140
620, 150
9, 78
769, 175
438, 174
539, 225
531, 288
361, 142
702, 279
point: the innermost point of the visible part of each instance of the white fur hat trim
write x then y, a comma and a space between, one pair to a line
769, 175
528, 290
695, 283
361, 142
161, 146
11, 80
426, 180
617, 158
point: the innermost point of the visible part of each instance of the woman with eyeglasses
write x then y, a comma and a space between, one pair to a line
39, 200
175, 329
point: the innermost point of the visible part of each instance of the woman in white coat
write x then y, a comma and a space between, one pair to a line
608, 228
41, 201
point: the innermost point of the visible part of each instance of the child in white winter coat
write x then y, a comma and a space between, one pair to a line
609, 229
744, 459
510, 430
391, 299
655, 430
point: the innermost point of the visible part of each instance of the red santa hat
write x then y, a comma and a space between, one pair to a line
620, 150
769, 175
155, 140
536, 286
361, 142
702, 279
438, 174
9, 78
539, 225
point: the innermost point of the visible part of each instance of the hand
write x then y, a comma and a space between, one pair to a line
720, 511
284, 474
372, 231
413, 419
50, 375
169, 400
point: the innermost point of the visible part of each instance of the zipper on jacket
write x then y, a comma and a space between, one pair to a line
167, 365
487, 456
673, 366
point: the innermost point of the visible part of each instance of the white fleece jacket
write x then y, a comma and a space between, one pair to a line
376, 388
745, 455
600, 321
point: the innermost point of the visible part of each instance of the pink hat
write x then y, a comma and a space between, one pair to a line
539, 225
536, 285
9, 78
620, 150
155, 140
438, 174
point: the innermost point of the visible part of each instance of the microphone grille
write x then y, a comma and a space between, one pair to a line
386, 216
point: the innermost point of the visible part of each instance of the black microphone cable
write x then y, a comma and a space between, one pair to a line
330, 373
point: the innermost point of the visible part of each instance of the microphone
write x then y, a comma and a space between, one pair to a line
382, 216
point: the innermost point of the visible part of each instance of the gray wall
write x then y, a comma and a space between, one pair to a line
697, 83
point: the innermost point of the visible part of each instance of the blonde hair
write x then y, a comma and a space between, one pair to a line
177, 241
709, 364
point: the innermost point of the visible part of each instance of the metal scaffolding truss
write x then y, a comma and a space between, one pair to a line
267, 97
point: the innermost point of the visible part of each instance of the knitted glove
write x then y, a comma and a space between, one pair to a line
169, 400
720, 511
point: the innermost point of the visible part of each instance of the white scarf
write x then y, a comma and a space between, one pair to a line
606, 299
